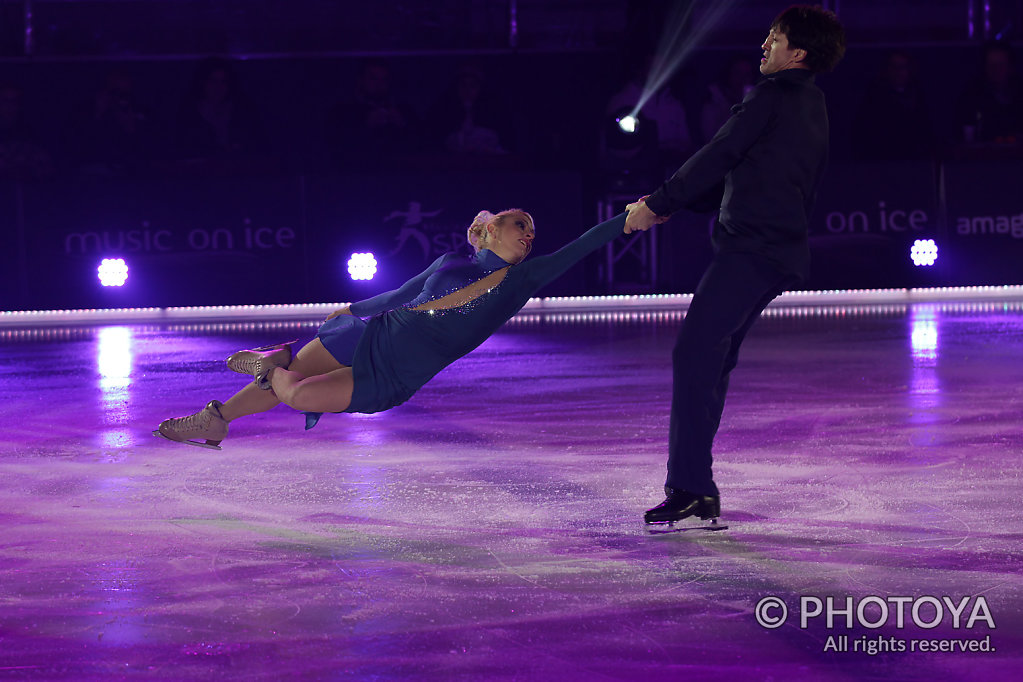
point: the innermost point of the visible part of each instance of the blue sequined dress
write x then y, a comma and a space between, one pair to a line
398, 349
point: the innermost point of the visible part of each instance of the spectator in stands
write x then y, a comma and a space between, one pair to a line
118, 134
467, 119
893, 121
991, 107
373, 125
735, 82
217, 120
21, 155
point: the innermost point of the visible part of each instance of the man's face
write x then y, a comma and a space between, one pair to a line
10, 107
376, 82
778, 54
899, 71
998, 68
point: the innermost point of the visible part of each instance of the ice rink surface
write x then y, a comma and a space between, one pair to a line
490, 528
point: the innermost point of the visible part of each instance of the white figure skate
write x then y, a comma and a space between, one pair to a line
206, 428
259, 361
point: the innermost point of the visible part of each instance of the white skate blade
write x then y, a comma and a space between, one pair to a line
274, 346
261, 349
187, 442
709, 525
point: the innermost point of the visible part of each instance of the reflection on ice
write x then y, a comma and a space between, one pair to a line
924, 333
116, 438
114, 358
925, 390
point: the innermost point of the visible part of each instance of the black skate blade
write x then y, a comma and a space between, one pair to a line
670, 527
188, 442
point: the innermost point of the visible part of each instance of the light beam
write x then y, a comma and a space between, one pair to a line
679, 39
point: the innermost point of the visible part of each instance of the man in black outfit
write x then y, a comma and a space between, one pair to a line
762, 168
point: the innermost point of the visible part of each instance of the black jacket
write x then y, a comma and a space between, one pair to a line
765, 163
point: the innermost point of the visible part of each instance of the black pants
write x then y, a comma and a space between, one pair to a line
734, 290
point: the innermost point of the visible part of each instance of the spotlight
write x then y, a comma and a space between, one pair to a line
628, 124
362, 266
628, 133
112, 272
924, 252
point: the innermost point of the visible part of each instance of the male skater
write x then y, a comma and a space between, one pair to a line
767, 159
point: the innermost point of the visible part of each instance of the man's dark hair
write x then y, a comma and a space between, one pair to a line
815, 30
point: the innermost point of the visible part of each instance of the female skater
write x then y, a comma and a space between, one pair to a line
357, 365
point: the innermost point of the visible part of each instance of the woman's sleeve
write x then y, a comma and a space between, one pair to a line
389, 300
541, 271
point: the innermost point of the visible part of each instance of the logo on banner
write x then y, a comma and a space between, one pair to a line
412, 227
986, 224
247, 237
431, 238
885, 220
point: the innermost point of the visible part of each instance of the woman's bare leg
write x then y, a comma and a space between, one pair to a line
249, 400
311, 361
330, 392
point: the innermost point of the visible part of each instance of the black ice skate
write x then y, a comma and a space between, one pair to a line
681, 504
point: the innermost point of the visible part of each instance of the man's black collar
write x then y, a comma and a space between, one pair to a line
793, 74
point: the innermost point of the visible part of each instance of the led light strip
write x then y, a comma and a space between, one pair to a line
809, 302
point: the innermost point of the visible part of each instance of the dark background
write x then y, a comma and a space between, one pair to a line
548, 70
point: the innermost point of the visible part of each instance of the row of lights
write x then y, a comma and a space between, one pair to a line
522, 319
113, 272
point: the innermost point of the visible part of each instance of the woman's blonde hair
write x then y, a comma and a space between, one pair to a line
478, 234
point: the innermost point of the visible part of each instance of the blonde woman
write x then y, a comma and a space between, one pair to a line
375, 354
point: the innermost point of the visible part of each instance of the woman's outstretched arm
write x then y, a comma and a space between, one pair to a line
544, 269
390, 300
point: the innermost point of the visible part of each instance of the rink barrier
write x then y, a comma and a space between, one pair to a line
535, 308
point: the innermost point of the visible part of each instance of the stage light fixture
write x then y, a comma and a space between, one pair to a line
112, 272
626, 133
362, 266
628, 124
924, 252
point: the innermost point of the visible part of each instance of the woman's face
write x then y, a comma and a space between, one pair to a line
511, 237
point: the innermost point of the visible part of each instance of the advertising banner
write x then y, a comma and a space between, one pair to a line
985, 222
220, 241
866, 220
184, 241
225, 241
